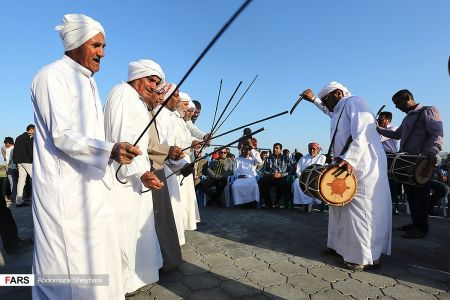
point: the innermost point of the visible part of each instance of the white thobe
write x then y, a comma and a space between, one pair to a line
126, 115
303, 163
74, 221
361, 230
194, 131
183, 139
245, 189
165, 125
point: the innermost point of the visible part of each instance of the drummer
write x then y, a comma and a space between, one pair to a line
313, 157
421, 132
361, 230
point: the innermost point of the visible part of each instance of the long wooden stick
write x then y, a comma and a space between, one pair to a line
211, 43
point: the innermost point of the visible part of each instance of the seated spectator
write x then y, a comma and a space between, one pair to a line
274, 173
216, 174
439, 189
199, 168
263, 156
313, 157
245, 187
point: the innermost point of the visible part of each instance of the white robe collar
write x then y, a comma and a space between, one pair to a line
74, 65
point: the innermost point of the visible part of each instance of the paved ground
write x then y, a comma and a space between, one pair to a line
261, 254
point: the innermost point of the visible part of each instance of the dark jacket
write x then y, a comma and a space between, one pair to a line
23, 149
227, 169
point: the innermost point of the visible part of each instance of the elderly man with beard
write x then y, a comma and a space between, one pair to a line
361, 230
126, 115
312, 158
74, 221
184, 139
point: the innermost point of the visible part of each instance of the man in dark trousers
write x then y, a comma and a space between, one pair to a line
421, 132
23, 157
217, 172
8, 227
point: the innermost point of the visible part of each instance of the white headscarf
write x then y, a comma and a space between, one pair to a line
76, 29
145, 68
333, 86
185, 97
191, 105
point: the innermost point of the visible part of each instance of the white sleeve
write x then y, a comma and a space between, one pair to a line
121, 118
318, 103
195, 132
52, 104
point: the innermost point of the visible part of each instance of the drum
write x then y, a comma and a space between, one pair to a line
329, 183
408, 168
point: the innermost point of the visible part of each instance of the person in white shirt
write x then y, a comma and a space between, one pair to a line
361, 230
313, 157
245, 187
74, 220
126, 115
390, 145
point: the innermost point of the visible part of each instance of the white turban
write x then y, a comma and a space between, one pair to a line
185, 97
76, 29
144, 68
333, 86
191, 105
169, 89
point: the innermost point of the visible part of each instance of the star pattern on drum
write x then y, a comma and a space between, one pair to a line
338, 186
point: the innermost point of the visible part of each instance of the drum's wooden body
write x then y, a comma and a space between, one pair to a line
329, 183
408, 168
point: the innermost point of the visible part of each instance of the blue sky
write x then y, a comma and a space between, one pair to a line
375, 48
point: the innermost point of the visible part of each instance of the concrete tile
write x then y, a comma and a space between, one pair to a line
266, 277
251, 264
191, 256
240, 288
229, 272
328, 273
424, 284
285, 291
193, 268
201, 281
375, 280
238, 253
400, 291
216, 294
305, 262
357, 289
169, 291
272, 257
330, 294
288, 268
170, 276
309, 283
217, 260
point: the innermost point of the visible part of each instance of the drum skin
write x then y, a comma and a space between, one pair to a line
329, 183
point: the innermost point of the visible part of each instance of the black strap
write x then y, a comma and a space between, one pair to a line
328, 155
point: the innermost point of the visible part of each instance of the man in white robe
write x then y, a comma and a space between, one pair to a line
74, 221
165, 125
184, 139
126, 115
361, 230
313, 157
245, 187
